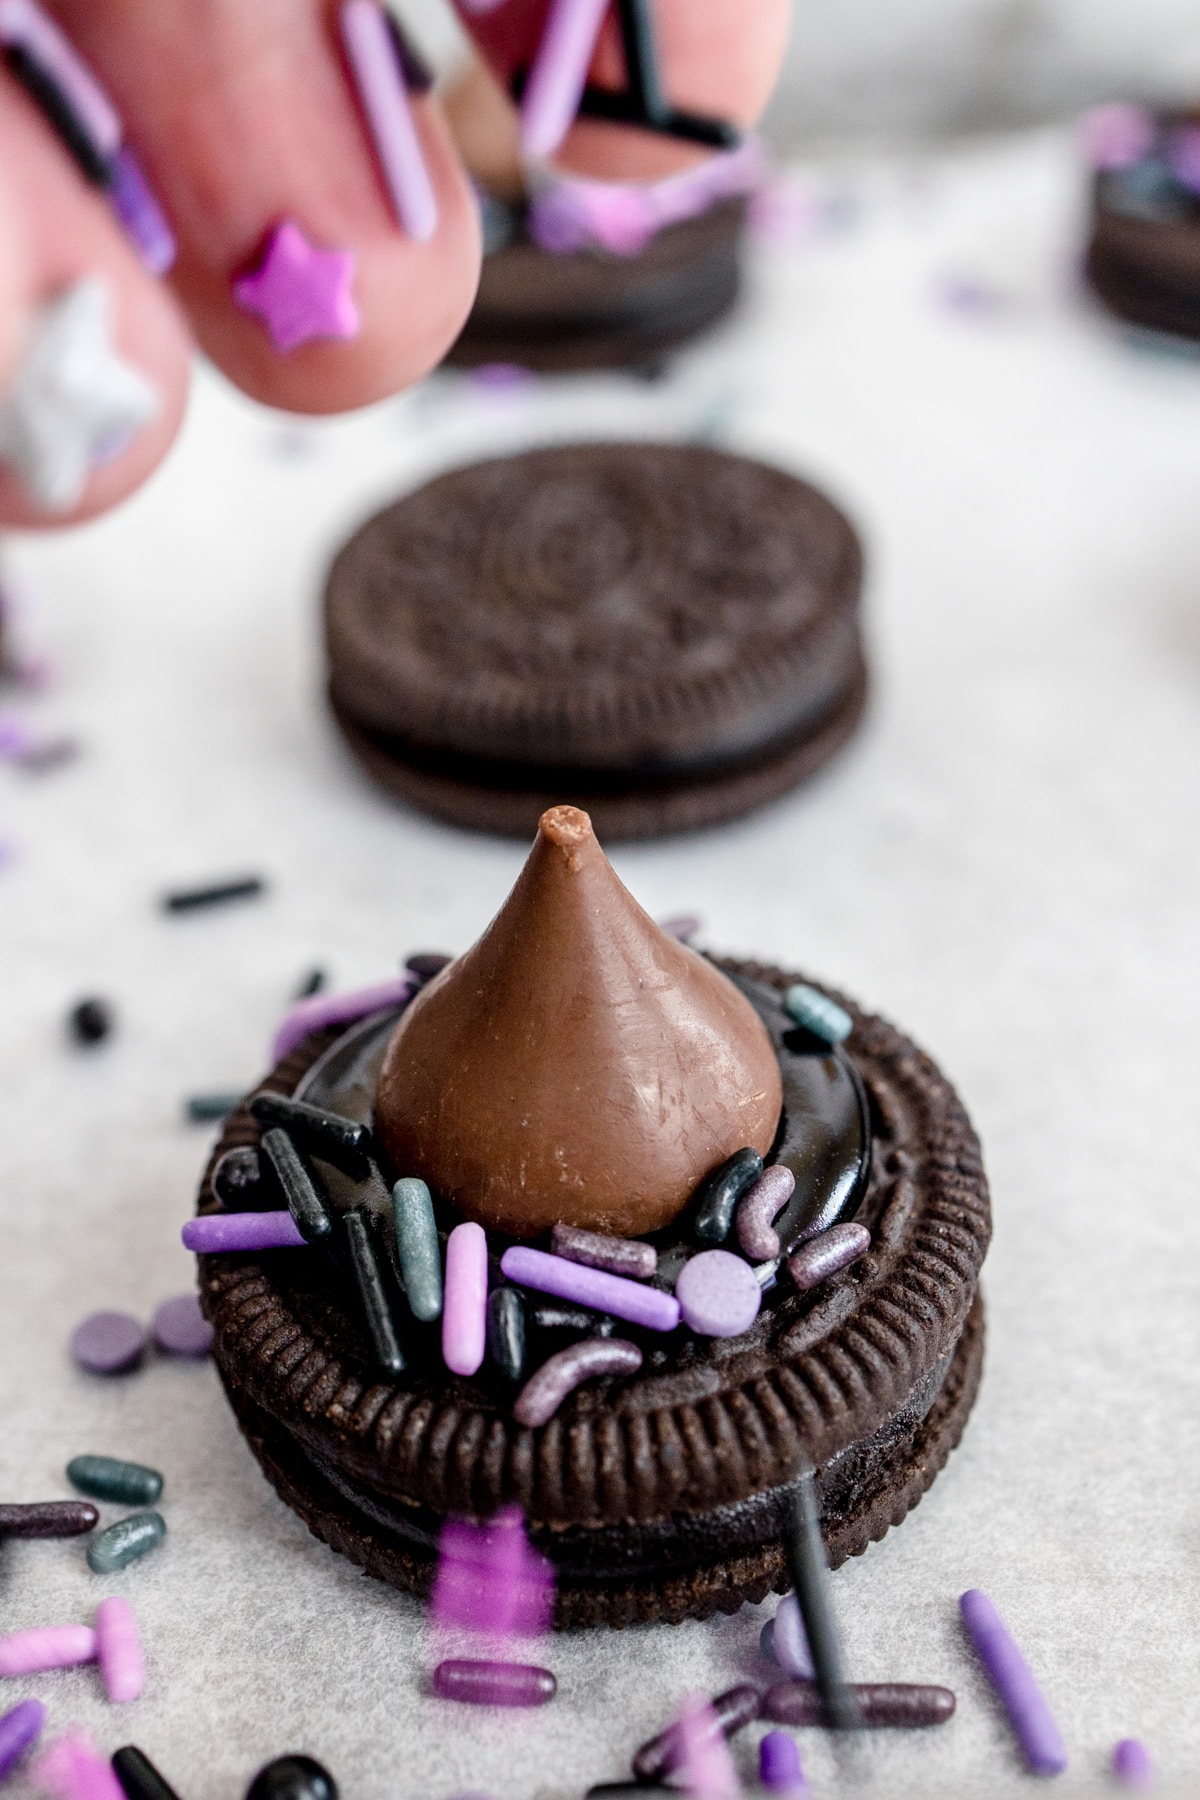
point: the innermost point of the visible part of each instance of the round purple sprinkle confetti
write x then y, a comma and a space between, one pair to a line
180, 1328
108, 1343
718, 1294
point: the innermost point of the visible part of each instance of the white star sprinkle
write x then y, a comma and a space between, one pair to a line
74, 402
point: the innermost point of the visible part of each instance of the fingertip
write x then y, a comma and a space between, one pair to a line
71, 450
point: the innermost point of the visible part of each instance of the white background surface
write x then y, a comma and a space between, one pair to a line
1006, 862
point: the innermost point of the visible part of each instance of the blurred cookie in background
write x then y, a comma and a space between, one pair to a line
1143, 259
582, 274
664, 634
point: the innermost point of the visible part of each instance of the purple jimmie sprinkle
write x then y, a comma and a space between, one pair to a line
215, 1233
321, 1010
1132, 1764
1015, 1685
144, 221
19, 1728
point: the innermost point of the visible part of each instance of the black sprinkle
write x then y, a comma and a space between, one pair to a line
202, 1108
808, 1566
138, 1776
90, 1021
425, 964
194, 899
56, 108
55, 753
418, 76
312, 984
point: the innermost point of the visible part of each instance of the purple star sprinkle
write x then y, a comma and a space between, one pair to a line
300, 292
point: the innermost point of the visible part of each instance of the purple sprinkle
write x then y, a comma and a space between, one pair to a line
645, 1306
756, 1209
789, 1640
1015, 1685
619, 1256
180, 1328
683, 927
823, 1255
108, 1343
718, 1294
215, 1233
15, 737
315, 1013
1132, 1764
502, 377
779, 1766
560, 1375
489, 1579
1116, 136
19, 1728
379, 81
1183, 156
494, 1683
144, 221
968, 294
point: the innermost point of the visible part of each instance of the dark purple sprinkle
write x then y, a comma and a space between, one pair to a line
896, 1704
139, 1778
48, 1519
826, 1254
90, 1020
736, 1707
494, 1683
247, 887
108, 1343
180, 1328
425, 964
50, 754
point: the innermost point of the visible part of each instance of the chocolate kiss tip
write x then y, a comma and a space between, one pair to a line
577, 1065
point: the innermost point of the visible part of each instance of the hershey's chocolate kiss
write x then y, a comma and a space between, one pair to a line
577, 1064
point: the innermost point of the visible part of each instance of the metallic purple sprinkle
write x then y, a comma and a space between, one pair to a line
323, 1009
628, 1300
108, 1343
215, 1233
1132, 1764
494, 1683
145, 223
756, 1209
180, 1328
20, 1727
546, 1390
1015, 1685
718, 1294
618, 1256
825, 1254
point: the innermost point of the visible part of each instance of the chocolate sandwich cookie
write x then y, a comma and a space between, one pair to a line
590, 309
657, 1479
1143, 258
665, 634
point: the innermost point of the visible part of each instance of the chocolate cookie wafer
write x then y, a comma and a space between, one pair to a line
661, 1497
1143, 258
667, 635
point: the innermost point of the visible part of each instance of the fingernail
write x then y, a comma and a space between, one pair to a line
559, 73
378, 69
74, 402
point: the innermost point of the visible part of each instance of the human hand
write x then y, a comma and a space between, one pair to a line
243, 117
